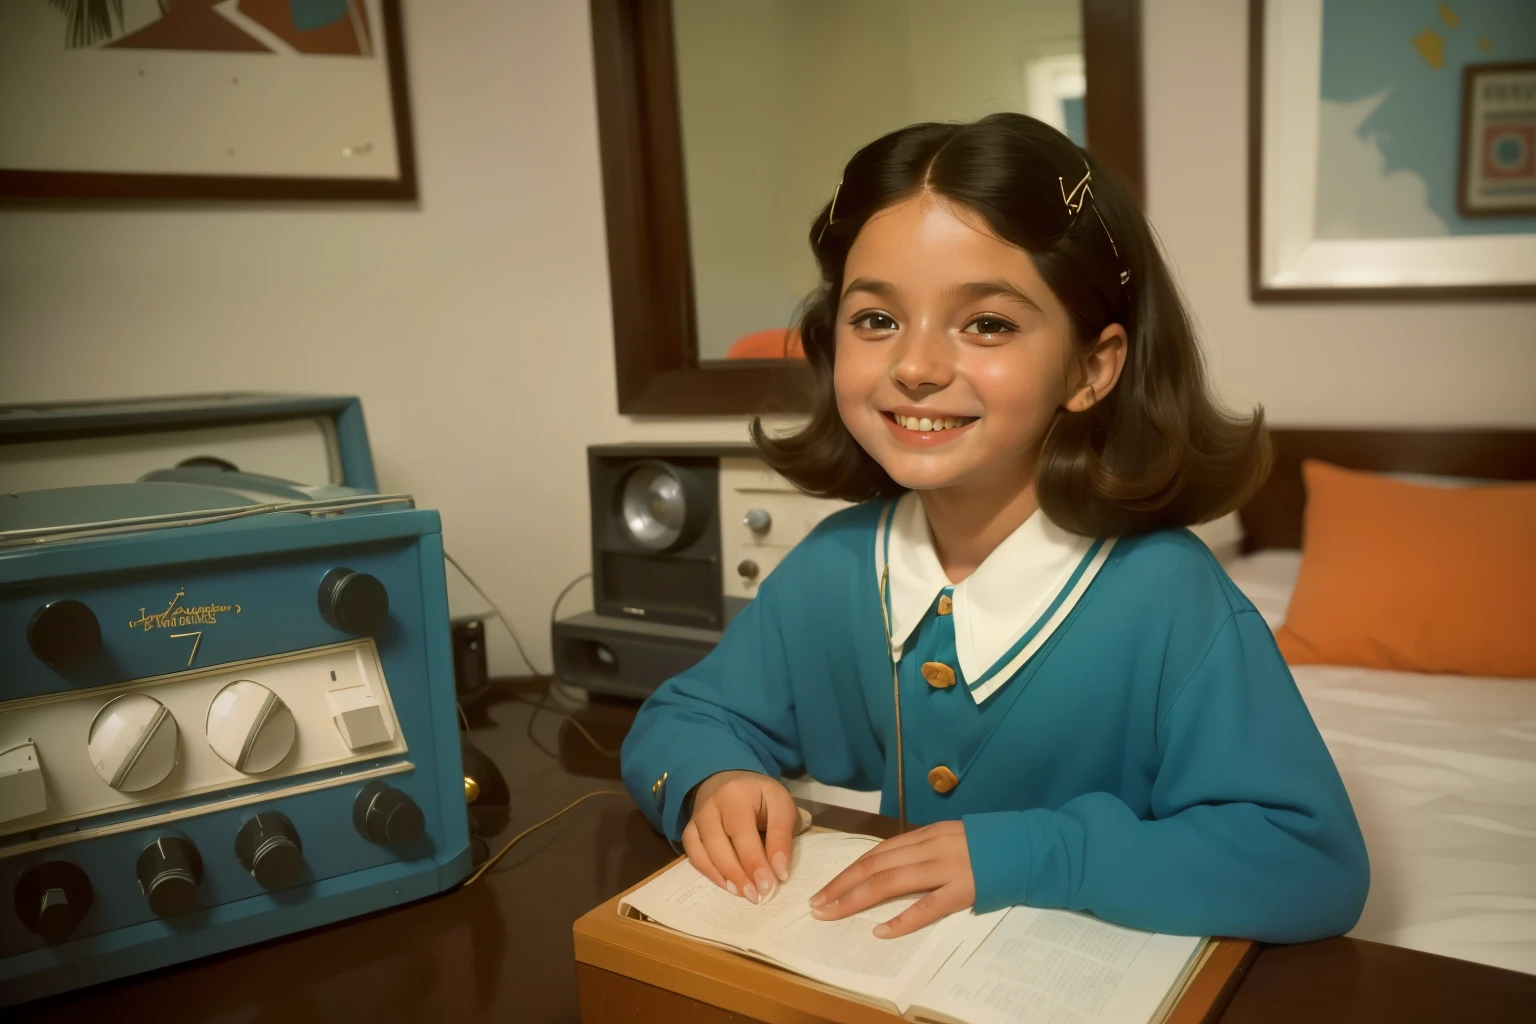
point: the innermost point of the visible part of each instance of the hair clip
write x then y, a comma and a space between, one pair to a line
1081, 191
831, 210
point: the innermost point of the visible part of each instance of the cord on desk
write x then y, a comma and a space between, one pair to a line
491, 861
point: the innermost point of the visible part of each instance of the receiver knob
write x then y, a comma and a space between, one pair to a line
250, 727
64, 634
385, 815
353, 602
757, 520
268, 845
133, 742
748, 569
52, 899
170, 870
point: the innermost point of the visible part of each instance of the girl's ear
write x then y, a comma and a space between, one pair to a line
1098, 369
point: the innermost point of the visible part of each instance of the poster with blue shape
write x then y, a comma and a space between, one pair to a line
1417, 134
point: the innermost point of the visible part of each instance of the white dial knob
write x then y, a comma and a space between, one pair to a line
250, 727
133, 742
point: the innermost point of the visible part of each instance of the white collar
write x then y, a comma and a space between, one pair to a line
1033, 578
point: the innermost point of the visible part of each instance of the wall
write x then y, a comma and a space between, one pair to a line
477, 326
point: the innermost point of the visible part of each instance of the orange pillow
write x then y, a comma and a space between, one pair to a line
1423, 579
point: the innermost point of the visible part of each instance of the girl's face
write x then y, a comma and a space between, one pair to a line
953, 356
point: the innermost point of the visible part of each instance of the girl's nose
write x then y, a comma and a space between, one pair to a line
923, 360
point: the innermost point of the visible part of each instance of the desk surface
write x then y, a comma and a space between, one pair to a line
501, 949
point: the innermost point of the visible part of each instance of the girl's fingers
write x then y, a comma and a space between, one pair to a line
693, 846
942, 901
721, 852
783, 818
877, 860
740, 820
885, 884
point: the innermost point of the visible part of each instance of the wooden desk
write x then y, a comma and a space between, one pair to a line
501, 950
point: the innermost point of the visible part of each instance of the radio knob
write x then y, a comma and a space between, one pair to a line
52, 899
64, 634
747, 569
170, 870
268, 845
353, 602
385, 815
250, 727
757, 520
133, 742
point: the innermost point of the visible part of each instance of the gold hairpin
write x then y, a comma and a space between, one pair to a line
1074, 200
831, 210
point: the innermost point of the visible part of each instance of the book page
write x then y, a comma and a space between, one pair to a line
1058, 967
842, 953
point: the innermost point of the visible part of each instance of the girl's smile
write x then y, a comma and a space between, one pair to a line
925, 428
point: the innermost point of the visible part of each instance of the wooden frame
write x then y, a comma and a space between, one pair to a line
1262, 291
91, 185
1469, 76
655, 341
1272, 519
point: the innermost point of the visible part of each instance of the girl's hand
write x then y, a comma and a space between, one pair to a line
933, 859
730, 809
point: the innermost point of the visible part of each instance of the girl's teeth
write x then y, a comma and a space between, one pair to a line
924, 425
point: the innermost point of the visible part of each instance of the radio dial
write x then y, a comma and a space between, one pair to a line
250, 727
52, 899
757, 520
385, 815
269, 848
133, 742
353, 602
747, 569
170, 870
64, 634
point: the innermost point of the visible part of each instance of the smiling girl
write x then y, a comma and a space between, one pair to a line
1090, 714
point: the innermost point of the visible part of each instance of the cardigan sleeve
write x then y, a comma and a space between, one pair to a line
1251, 833
733, 710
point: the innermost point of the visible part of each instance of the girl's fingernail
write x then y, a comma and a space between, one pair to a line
765, 884
882, 931
820, 913
781, 866
750, 892
730, 887
818, 899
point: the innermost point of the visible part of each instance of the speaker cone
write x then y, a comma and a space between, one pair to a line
654, 502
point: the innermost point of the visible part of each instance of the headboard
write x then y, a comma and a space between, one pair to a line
1272, 519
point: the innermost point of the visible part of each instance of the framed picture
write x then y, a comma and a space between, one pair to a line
204, 99
1390, 149
1498, 140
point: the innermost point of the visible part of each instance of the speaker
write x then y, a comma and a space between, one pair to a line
625, 658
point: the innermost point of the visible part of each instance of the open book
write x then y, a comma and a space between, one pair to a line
1015, 966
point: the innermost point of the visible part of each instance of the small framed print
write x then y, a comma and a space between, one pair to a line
1498, 140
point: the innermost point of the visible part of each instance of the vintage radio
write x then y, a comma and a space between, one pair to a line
682, 534
226, 706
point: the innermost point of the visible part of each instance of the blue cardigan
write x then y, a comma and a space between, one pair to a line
1152, 762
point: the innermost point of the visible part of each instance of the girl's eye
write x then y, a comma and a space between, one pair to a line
874, 322
990, 325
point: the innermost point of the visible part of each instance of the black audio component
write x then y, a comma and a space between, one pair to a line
387, 816
170, 870
353, 602
269, 848
64, 634
471, 672
52, 899
604, 654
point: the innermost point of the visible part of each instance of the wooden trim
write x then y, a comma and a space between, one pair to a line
90, 185
1468, 73
1257, 289
1273, 518
645, 199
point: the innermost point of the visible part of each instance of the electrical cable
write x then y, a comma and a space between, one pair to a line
491, 861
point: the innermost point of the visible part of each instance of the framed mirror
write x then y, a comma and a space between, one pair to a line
725, 124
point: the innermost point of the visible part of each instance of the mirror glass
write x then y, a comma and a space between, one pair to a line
774, 96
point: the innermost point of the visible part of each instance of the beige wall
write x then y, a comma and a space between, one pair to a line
476, 327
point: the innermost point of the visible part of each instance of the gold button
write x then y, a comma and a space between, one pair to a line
471, 790
942, 779
656, 786
939, 675
945, 604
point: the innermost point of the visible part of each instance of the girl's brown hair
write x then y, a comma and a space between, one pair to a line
1157, 451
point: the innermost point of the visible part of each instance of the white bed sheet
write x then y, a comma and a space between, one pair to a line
1442, 774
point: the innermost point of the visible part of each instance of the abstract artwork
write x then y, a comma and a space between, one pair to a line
1378, 164
203, 98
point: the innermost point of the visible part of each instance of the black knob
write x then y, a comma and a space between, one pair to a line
170, 870
64, 634
748, 569
52, 899
268, 845
353, 602
387, 816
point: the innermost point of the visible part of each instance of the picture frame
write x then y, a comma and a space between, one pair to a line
1497, 164
236, 100
1289, 259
